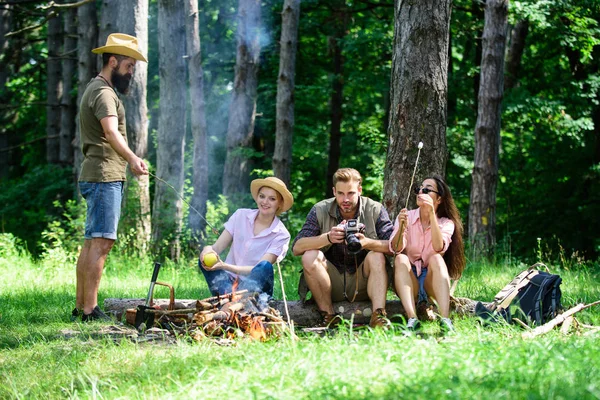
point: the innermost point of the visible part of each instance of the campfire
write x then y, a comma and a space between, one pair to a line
237, 314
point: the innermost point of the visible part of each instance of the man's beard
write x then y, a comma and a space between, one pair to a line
120, 81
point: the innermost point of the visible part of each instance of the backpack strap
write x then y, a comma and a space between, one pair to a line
510, 291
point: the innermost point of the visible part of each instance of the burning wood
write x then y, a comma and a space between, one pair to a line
228, 316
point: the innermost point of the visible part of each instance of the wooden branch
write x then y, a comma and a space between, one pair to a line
50, 15
28, 143
66, 5
559, 319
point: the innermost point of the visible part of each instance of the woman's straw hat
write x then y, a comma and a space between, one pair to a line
123, 45
275, 184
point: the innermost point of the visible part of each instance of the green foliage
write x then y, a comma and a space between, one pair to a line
62, 239
27, 204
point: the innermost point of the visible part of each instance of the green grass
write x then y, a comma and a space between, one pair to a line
38, 361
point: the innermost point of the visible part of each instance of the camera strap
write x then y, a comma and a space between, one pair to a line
356, 280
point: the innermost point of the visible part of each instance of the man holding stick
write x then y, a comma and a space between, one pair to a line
106, 155
342, 244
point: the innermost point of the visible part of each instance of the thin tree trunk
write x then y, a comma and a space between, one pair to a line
478, 7
282, 157
515, 54
132, 19
198, 120
5, 27
87, 39
419, 89
68, 109
53, 89
242, 111
167, 208
482, 210
337, 99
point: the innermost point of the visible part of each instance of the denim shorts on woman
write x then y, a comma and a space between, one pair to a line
103, 208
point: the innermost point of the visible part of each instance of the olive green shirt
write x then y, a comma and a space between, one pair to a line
101, 162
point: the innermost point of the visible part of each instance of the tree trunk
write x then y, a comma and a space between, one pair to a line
478, 7
5, 27
337, 98
482, 210
515, 54
418, 97
167, 208
304, 314
87, 39
53, 89
67, 104
132, 19
242, 111
282, 157
198, 121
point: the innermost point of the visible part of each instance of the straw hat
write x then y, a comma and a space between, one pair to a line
123, 45
275, 184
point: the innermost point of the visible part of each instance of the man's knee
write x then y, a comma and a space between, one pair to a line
102, 245
375, 261
311, 260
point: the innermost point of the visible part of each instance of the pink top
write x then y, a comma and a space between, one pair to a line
248, 249
417, 243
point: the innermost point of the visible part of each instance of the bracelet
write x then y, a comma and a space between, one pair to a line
328, 239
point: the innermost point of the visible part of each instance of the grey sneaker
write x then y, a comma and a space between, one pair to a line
413, 324
96, 315
446, 326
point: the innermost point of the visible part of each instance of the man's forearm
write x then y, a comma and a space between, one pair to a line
380, 246
310, 243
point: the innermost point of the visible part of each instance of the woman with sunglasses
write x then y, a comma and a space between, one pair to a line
430, 253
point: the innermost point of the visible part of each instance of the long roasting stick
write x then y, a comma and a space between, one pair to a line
401, 230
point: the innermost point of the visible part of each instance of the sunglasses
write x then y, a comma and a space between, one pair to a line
425, 190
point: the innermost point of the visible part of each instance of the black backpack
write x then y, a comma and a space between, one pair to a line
533, 296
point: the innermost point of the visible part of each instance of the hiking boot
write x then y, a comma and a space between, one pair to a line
329, 320
413, 325
379, 319
96, 315
76, 313
446, 326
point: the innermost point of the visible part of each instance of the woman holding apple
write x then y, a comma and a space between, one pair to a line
257, 238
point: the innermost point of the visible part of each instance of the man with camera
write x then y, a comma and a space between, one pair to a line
342, 244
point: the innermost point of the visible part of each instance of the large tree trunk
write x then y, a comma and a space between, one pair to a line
198, 121
87, 39
69, 66
482, 210
242, 111
337, 97
132, 19
418, 97
515, 54
282, 157
53, 88
167, 208
5, 27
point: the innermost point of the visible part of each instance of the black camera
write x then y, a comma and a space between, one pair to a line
352, 227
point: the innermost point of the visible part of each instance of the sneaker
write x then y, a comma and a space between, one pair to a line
76, 313
446, 326
329, 320
379, 319
413, 325
96, 315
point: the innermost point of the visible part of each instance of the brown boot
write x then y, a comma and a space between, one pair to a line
329, 320
379, 319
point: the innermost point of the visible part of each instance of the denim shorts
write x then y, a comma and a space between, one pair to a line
103, 208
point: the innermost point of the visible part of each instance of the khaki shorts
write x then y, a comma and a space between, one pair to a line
337, 284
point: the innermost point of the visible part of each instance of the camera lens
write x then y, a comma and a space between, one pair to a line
353, 243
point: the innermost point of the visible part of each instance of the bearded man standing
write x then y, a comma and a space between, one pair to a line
341, 261
103, 171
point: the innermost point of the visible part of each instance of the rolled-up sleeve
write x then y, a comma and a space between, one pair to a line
447, 229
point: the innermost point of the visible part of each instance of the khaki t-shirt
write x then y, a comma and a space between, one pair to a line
101, 162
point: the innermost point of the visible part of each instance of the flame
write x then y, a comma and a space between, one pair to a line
235, 285
257, 330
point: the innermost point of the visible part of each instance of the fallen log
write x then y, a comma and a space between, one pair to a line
307, 314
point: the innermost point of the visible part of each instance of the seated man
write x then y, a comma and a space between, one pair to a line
335, 271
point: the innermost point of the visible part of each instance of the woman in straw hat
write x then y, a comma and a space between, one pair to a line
257, 238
